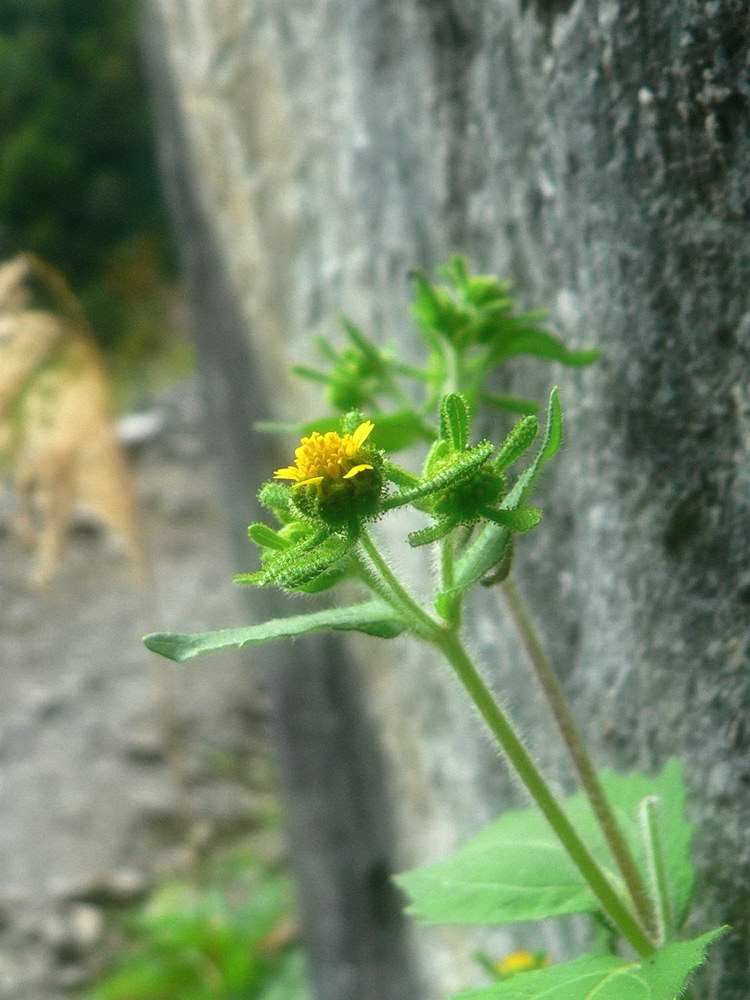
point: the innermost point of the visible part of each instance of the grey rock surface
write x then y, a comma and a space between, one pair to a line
596, 151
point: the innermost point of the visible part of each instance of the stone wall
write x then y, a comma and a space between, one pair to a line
596, 152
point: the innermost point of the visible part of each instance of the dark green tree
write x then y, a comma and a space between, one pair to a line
78, 180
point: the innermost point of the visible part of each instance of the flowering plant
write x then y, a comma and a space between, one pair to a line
619, 849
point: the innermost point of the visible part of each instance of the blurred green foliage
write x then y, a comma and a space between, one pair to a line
228, 937
78, 178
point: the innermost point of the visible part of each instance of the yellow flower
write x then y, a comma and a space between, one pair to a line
327, 456
520, 961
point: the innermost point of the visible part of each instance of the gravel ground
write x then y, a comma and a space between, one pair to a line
96, 802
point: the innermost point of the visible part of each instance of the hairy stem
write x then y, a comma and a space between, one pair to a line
529, 773
581, 761
384, 582
657, 866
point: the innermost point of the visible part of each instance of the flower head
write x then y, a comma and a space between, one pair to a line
326, 457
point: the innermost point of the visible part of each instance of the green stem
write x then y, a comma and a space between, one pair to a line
452, 610
657, 866
380, 577
582, 762
541, 793
385, 583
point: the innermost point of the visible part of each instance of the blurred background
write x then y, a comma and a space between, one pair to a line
140, 846
309, 156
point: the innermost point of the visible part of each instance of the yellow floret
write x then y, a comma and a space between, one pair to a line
327, 456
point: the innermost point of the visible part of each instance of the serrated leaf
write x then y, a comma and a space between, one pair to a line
454, 421
458, 468
372, 618
516, 869
662, 976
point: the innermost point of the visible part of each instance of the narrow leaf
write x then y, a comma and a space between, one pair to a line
662, 976
490, 545
266, 537
523, 519
515, 404
363, 344
458, 468
430, 534
304, 371
454, 421
517, 442
531, 340
372, 618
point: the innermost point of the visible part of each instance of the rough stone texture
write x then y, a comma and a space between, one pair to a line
597, 153
97, 803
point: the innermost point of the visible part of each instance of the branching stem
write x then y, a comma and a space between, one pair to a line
529, 773
380, 577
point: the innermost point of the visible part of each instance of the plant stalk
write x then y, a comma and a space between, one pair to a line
581, 761
380, 577
386, 584
519, 757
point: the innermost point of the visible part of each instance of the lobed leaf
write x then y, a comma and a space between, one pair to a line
662, 976
373, 618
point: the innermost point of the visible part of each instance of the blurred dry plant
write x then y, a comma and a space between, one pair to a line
57, 433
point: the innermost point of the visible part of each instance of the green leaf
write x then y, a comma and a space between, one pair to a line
516, 869
372, 618
267, 538
364, 345
490, 546
523, 519
432, 533
531, 340
301, 563
454, 421
400, 477
393, 431
312, 374
517, 442
457, 468
662, 976
514, 404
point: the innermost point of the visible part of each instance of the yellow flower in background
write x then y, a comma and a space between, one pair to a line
329, 456
520, 961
